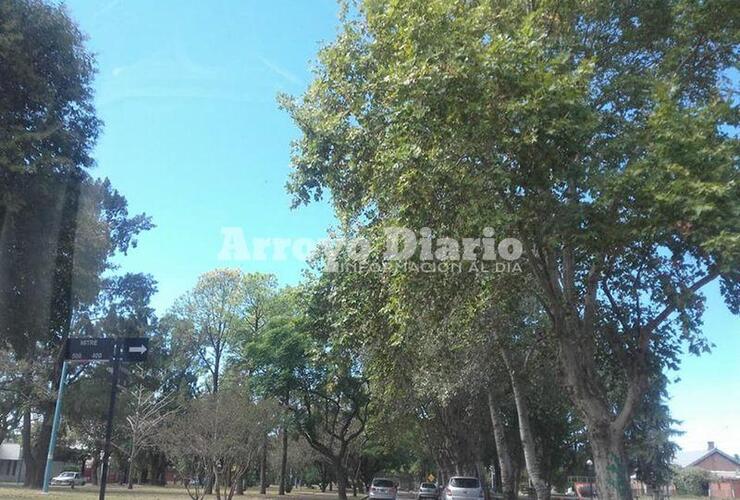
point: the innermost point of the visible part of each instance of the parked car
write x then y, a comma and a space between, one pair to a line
463, 488
68, 479
427, 490
383, 489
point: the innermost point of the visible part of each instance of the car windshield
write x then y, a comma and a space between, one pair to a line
383, 483
464, 482
209, 223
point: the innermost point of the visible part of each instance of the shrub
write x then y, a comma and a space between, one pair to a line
693, 481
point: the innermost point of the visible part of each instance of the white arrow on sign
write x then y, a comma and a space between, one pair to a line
138, 349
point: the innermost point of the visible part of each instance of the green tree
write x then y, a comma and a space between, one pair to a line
331, 401
58, 226
53, 255
278, 356
208, 318
595, 133
47, 118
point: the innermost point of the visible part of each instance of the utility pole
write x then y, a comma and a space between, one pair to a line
55, 428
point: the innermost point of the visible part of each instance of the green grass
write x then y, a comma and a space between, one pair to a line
116, 492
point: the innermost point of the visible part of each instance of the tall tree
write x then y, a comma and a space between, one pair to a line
58, 227
209, 317
595, 133
51, 265
47, 118
332, 398
278, 357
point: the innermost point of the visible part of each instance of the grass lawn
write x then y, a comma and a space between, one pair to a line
115, 492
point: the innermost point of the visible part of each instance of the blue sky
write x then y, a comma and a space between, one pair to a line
193, 137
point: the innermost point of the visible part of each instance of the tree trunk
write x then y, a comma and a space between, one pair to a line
497, 475
263, 469
217, 484
610, 463
94, 467
28, 458
216, 369
322, 486
284, 461
240, 485
159, 469
606, 434
532, 459
506, 465
208, 487
36, 463
130, 473
341, 482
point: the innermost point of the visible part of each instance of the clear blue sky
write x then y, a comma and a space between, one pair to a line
193, 137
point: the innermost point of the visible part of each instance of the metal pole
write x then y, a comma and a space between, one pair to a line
55, 428
111, 413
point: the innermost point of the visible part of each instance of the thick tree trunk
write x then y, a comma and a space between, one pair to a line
341, 482
497, 475
610, 463
532, 459
35, 473
284, 461
506, 465
605, 432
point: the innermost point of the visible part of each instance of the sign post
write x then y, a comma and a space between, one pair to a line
111, 413
55, 428
85, 349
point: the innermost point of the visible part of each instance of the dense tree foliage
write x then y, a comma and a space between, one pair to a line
595, 133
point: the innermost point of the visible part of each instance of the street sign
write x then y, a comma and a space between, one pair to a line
134, 349
120, 350
89, 349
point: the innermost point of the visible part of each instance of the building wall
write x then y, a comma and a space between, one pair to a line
729, 488
11, 471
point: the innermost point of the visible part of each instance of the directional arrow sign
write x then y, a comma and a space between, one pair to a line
134, 349
89, 349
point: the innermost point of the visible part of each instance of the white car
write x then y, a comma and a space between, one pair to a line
464, 488
68, 479
383, 489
